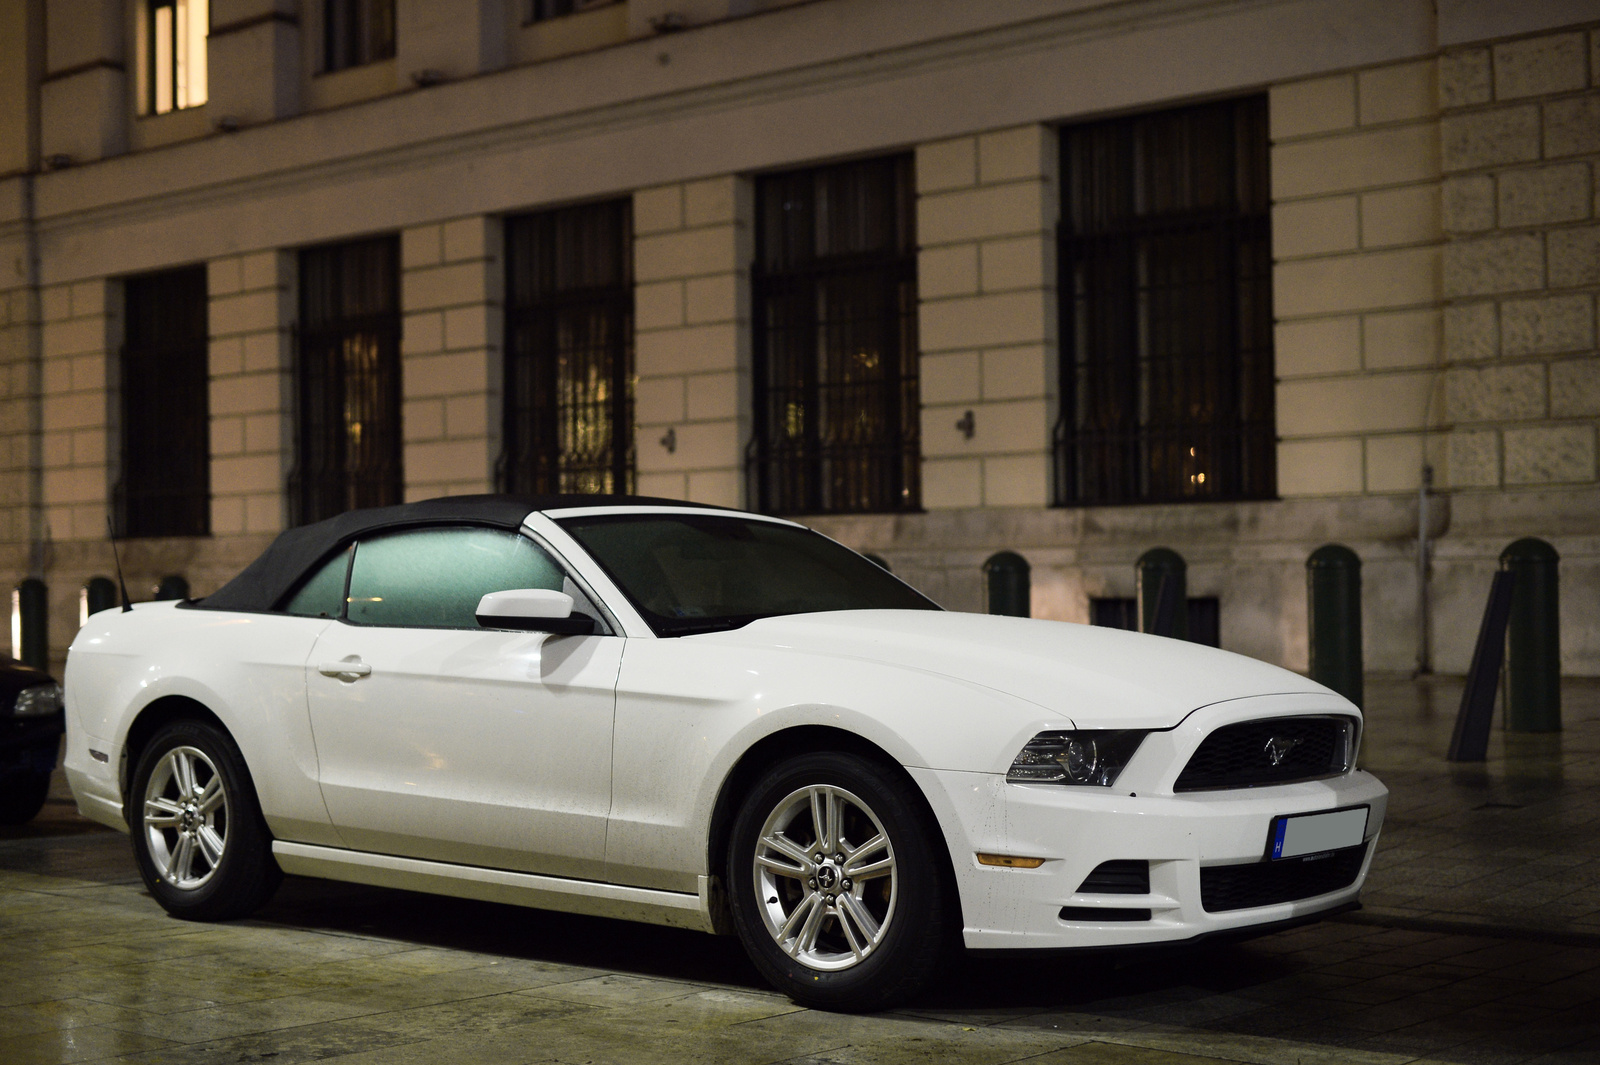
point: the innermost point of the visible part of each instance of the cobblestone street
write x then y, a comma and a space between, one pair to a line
1479, 942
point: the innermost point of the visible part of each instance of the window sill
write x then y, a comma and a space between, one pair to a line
155, 131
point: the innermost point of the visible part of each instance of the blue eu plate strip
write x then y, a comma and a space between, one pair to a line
1277, 838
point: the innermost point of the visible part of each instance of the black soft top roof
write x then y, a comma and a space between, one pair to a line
264, 583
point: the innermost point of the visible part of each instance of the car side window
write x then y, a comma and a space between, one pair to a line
435, 577
322, 595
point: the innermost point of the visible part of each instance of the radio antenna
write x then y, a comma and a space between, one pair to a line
121, 584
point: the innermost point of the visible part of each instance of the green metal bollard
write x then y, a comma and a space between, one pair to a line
30, 628
99, 593
1333, 594
1009, 585
1533, 638
1158, 566
173, 587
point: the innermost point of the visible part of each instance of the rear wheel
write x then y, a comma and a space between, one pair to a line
22, 796
836, 886
201, 844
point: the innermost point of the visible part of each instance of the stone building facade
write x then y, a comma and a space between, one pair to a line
1434, 268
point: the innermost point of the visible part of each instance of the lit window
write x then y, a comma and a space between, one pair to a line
177, 53
1166, 308
348, 452
837, 417
569, 351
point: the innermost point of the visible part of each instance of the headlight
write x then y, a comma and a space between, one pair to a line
41, 700
1085, 757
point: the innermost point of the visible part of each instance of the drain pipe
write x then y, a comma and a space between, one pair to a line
1424, 613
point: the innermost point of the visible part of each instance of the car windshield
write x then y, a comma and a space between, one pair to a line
691, 573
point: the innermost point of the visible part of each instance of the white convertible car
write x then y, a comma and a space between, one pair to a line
711, 719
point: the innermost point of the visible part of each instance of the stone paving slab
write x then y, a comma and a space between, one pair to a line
1479, 944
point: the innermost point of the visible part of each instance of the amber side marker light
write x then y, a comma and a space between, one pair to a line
1010, 861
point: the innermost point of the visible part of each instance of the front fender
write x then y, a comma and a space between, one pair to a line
687, 712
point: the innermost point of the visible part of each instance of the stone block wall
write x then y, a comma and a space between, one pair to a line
1355, 230
986, 214
452, 297
19, 390
251, 305
693, 243
79, 326
1520, 137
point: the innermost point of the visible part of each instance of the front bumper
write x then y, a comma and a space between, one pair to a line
1075, 829
30, 744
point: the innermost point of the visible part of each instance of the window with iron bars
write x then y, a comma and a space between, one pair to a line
836, 416
1166, 309
347, 380
356, 32
164, 482
569, 351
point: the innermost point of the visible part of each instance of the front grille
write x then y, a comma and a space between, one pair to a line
1241, 887
1121, 876
1242, 755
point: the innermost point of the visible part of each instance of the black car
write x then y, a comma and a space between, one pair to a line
30, 739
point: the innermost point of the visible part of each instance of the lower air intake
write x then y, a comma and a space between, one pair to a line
1242, 887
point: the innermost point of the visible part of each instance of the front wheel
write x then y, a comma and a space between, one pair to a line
198, 835
836, 885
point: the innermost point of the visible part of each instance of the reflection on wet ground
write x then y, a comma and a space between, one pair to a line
1480, 942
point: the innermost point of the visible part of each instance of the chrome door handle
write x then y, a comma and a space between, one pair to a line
344, 669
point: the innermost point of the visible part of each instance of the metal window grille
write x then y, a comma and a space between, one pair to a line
164, 483
356, 32
837, 421
347, 380
569, 351
1166, 309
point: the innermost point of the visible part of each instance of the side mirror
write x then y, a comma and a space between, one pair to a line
533, 610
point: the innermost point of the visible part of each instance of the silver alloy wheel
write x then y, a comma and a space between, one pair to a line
186, 818
825, 877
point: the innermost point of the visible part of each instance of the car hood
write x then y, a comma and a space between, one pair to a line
1098, 677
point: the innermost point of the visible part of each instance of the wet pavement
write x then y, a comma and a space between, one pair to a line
1479, 941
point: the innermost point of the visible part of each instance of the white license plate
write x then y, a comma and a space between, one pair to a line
1302, 834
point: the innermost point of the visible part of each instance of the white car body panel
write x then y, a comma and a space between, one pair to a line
470, 747
247, 669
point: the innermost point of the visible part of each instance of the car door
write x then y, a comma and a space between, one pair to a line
440, 740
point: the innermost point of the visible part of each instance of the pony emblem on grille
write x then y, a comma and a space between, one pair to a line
1278, 748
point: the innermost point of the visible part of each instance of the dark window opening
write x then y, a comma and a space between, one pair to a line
541, 10
837, 420
164, 487
1205, 617
348, 380
569, 351
1166, 309
356, 32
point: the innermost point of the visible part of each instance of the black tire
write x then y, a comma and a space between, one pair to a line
209, 856
836, 959
22, 797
